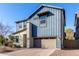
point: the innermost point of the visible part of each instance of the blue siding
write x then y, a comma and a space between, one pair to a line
53, 26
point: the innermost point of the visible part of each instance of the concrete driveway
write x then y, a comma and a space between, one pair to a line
32, 52
66, 52
3, 54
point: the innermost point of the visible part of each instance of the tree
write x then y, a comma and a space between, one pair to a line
4, 29
11, 37
1, 39
69, 34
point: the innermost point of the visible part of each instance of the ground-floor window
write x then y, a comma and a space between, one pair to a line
17, 39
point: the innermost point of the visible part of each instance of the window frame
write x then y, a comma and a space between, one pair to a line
44, 18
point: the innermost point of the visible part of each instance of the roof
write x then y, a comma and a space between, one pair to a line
43, 5
19, 31
52, 6
21, 21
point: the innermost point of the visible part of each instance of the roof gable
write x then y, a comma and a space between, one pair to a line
41, 6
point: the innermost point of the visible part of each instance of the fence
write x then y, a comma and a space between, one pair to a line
71, 44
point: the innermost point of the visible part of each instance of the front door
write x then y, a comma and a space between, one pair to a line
24, 40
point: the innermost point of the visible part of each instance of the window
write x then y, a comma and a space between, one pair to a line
42, 19
17, 39
20, 25
24, 25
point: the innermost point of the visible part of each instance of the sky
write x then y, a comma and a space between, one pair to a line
10, 13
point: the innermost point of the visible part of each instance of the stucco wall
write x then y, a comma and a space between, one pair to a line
29, 35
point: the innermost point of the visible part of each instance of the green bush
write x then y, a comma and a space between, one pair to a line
13, 46
0, 44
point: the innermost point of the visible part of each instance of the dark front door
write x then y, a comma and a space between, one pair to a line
37, 43
24, 40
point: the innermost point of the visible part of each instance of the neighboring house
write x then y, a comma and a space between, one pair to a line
77, 26
43, 29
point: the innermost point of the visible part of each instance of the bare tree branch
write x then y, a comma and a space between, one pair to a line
4, 29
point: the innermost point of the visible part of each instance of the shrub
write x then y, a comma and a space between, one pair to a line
1, 39
69, 34
13, 46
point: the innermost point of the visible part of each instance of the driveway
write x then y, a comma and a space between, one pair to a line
32, 52
66, 52
42, 52
3, 54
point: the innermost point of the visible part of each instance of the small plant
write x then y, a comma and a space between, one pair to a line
13, 46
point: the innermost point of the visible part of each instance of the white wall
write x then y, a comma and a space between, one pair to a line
29, 35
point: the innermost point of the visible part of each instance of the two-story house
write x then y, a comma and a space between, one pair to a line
44, 28
77, 26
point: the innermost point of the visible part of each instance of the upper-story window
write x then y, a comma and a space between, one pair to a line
20, 25
24, 25
43, 16
42, 19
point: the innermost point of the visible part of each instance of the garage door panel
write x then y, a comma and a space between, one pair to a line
37, 43
45, 43
50, 43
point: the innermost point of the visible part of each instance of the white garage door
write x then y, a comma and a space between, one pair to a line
45, 43
48, 43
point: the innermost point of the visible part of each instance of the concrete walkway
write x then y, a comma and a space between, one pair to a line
32, 52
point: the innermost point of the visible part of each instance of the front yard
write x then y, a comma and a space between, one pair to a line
4, 49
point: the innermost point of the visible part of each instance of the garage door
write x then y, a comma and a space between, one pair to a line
37, 43
48, 43
45, 43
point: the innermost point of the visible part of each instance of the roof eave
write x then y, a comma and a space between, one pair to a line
52, 6
19, 31
20, 21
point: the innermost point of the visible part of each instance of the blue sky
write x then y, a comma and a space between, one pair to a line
9, 13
